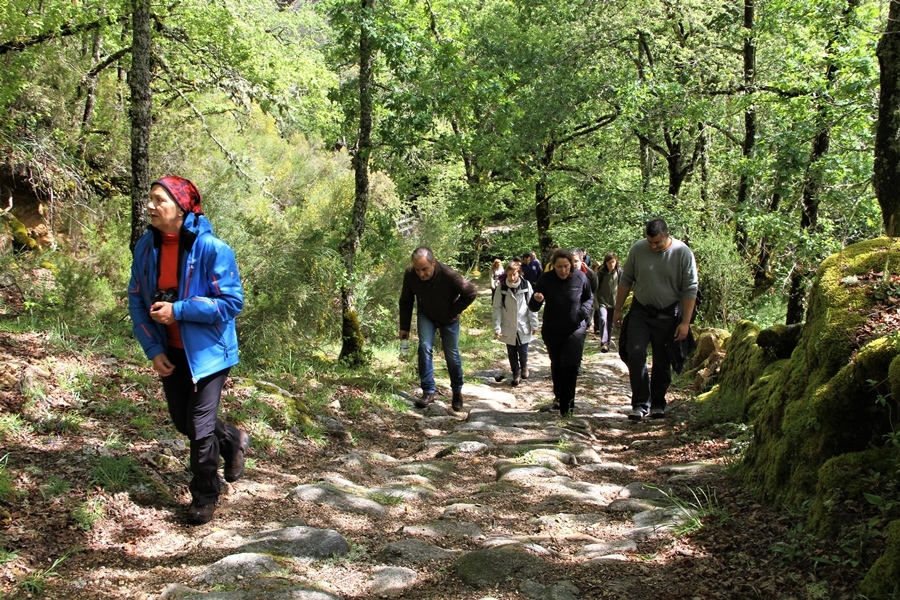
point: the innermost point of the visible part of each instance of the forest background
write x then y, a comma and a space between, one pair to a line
331, 138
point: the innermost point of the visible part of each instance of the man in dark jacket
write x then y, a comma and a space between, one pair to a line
441, 294
532, 268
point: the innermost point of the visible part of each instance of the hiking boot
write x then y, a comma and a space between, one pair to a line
516, 378
604, 348
567, 407
524, 372
556, 404
425, 400
198, 515
456, 403
636, 414
234, 464
657, 413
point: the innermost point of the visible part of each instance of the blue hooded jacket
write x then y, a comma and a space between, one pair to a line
210, 296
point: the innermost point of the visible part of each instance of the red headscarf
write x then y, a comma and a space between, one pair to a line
183, 191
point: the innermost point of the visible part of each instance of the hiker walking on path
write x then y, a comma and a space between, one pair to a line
662, 272
514, 324
567, 294
531, 268
440, 294
184, 295
608, 275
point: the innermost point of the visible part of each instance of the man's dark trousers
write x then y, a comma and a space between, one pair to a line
648, 390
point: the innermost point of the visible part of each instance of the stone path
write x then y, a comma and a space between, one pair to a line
458, 502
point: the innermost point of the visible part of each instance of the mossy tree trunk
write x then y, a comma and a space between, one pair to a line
141, 102
352, 340
887, 134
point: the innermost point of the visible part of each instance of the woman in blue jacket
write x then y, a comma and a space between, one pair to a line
184, 295
569, 301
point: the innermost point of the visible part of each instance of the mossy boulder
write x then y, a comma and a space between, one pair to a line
882, 582
823, 419
779, 340
822, 402
845, 480
744, 367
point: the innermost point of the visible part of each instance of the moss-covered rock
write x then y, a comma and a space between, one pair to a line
822, 402
846, 478
744, 365
882, 582
779, 340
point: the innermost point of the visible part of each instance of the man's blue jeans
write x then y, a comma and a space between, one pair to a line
450, 344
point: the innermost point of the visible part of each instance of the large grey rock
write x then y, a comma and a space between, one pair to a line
692, 468
412, 552
295, 593
298, 542
602, 549
567, 520
245, 565
644, 490
465, 508
612, 467
446, 529
392, 581
561, 590
507, 471
329, 495
491, 567
635, 505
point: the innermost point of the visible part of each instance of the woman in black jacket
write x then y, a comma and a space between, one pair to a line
569, 301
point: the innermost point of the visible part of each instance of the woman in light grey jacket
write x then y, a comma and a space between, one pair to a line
514, 324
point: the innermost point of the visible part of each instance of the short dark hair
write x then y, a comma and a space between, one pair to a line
656, 227
561, 253
423, 251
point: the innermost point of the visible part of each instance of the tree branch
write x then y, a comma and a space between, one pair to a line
20, 44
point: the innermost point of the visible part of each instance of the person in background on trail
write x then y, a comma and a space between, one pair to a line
569, 301
586, 257
496, 274
662, 272
514, 324
579, 265
184, 295
548, 256
440, 294
608, 275
532, 269
516, 262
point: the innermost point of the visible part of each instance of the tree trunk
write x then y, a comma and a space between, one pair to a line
741, 235
542, 212
762, 279
812, 184
141, 104
887, 133
91, 85
351, 334
646, 164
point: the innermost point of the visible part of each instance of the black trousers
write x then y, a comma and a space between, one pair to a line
565, 358
649, 386
194, 411
518, 357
